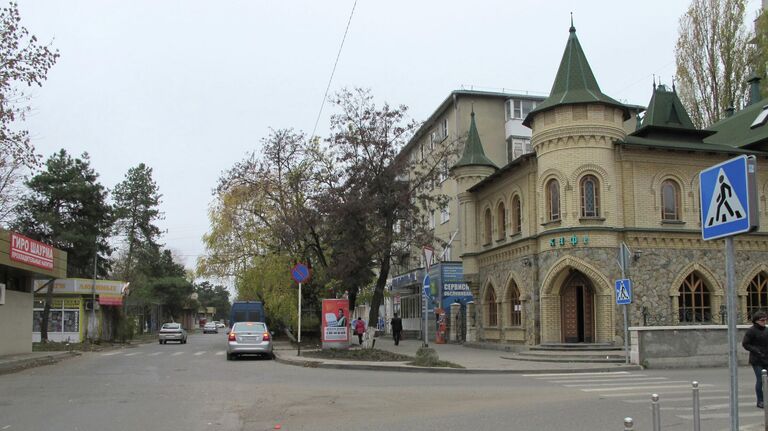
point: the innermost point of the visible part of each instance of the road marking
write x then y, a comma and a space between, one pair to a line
221, 352
110, 353
6, 427
641, 383
648, 393
133, 354
200, 353
610, 373
615, 379
664, 399
643, 387
723, 415
177, 353
155, 354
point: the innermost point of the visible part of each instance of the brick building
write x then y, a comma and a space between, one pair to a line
540, 235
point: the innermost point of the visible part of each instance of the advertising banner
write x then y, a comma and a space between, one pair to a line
31, 252
335, 324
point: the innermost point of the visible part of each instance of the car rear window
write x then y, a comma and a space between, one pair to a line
170, 326
249, 326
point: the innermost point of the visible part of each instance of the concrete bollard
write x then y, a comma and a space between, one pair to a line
629, 425
656, 411
696, 407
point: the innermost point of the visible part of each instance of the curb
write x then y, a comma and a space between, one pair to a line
23, 364
442, 370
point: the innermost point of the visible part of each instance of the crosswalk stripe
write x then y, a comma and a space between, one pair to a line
647, 393
133, 354
199, 353
723, 415
616, 379
641, 383
608, 373
110, 353
642, 387
690, 398
177, 353
155, 354
221, 352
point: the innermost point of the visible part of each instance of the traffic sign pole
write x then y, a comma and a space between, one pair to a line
731, 310
299, 343
626, 317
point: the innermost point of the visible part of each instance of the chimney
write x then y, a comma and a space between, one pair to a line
754, 88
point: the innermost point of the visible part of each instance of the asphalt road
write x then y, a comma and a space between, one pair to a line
192, 387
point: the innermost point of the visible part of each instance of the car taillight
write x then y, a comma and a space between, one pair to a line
231, 336
265, 337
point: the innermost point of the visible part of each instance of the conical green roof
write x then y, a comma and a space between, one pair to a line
574, 83
666, 110
473, 150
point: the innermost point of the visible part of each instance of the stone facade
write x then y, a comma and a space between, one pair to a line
556, 273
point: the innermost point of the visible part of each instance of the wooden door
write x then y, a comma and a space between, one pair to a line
577, 311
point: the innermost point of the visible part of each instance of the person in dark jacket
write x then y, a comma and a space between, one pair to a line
397, 328
756, 342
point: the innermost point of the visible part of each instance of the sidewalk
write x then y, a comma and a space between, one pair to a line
474, 360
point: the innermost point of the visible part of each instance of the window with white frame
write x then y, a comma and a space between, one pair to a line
444, 129
447, 254
516, 147
445, 214
519, 108
431, 219
443, 171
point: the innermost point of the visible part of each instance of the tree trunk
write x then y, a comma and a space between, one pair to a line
378, 292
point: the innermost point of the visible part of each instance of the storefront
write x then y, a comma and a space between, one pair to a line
81, 308
22, 261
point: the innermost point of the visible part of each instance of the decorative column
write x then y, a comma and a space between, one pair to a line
471, 324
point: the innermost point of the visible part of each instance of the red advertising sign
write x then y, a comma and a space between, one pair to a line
31, 252
336, 321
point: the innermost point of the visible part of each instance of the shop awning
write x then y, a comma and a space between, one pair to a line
110, 299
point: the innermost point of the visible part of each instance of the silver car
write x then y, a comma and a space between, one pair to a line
247, 338
172, 332
210, 327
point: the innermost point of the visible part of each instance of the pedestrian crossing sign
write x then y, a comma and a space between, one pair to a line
728, 198
623, 291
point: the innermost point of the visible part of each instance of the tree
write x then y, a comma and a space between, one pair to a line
217, 296
382, 189
67, 208
136, 209
713, 54
760, 59
24, 61
10, 188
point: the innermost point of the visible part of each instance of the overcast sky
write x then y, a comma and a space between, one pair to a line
190, 87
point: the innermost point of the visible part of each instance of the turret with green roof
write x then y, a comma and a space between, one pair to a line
575, 83
473, 150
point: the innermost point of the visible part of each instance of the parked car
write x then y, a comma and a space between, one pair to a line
249, 338
210, 327
220, 325
172, 332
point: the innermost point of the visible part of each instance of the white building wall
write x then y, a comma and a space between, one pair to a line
16, 323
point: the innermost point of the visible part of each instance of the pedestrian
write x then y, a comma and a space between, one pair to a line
756, 342
397, 328
360, 329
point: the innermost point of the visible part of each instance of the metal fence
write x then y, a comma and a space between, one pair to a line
629, 423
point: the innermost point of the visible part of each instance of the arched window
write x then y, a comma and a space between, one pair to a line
517, 215
670, 200
491, 312
757, 294
515, 309
590, 196
694, 305
501, 220
553, 200
488, 227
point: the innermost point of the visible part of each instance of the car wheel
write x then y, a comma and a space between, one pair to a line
160, 341
230, 356
271, 356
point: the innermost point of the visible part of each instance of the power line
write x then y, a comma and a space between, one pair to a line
325, 96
